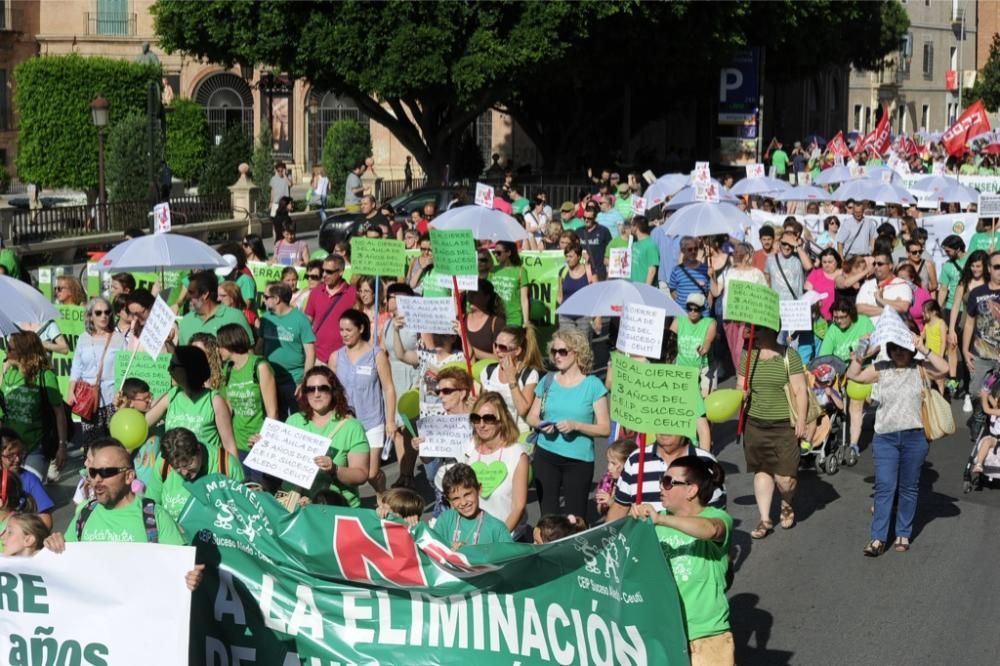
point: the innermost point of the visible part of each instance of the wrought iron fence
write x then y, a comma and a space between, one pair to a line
114, 24
388, 189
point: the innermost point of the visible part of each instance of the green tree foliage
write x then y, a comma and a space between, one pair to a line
262, 167
126, 159
222, 165
187, 139
347, 143
987, 87
57, 140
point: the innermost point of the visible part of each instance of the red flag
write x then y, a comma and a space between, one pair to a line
838, 146
972, 122
881, 138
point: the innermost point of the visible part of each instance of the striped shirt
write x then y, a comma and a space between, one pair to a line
686, 280
767, 384
652, 472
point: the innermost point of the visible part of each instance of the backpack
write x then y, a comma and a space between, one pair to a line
522, 378
148, 519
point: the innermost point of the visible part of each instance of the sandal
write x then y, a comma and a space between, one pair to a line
901, 546
874, 548
763, 528
787, 521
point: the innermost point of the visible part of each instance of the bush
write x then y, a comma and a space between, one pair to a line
57, 140
222, 165
126, 159
348, 143
262, 167
187, 139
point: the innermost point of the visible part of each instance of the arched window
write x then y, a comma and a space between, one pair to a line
330, 108
228, 103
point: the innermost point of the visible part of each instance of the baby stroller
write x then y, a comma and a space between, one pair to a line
980, 428
835, 449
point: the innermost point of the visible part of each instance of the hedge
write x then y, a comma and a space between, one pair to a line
187, 139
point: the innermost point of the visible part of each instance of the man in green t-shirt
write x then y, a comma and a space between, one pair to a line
207, 315
289, 344
645, 252
183, 459
948, 281
779, 159
117, 514
695, 542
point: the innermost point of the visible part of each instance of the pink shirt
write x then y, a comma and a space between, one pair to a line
327, 326
920, 296
823, 284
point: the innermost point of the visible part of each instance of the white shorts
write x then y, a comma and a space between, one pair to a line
376, 436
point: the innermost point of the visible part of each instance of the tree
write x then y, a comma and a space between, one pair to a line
126, 159
57, 140
187, 139
469, 163
262, 167
222, 165
987, 86
348, 143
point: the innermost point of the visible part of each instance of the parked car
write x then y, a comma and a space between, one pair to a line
344, 225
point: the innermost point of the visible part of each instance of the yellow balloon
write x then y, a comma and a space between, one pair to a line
409, 404
128, 426
722, 404
856, 391
479, 366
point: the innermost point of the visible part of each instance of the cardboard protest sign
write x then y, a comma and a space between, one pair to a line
989, 204
753, 304
620, 262
484, 195
158, 326
378, 256
890, 328
288, 453
155, 372
707, 192
702, 173
796, 315
755, 170
161, 218
264, 273
454, 252
638, 205
641, 330
655, 397
465, 282
444, 436
428, 315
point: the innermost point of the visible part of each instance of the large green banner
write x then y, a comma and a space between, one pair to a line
329, 585
542, 269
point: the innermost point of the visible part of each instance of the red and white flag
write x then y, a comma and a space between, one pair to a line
972, 122
880, 139
838, 146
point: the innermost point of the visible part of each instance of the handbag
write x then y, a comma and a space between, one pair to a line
535, 433
813, 410
87, 396
935, 412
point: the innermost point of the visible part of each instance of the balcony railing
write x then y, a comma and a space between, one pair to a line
111, 25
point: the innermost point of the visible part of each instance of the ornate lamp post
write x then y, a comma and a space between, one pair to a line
99, 112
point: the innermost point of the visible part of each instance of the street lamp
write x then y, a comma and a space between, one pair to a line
99, 112
313, 130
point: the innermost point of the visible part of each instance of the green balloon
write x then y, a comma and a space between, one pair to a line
128, 426
856, 391
319, 254
722, 404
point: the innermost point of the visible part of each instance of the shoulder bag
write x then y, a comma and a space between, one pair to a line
87, 396
813, 410
935, 412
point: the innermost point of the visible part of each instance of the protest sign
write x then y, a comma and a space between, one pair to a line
890, 328
796, 315
641, 330
378, 256
428, 315
47, 595
707, 192
753, 304
157, 327
655, 397
444, 436
620, 262
155, 372
330, 585
264, 273
161, 218
71, 325
755, 170
638, 205
484, 195
989, 204
465, 282
287, 452
702, 173
454, 252
542, 269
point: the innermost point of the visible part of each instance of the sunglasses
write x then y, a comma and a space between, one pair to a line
995, 267
561, 351
694, 308
485, 419
319, 388
788, 245
667, 481
880, 263
446, 391
588, 217
314, 276
327, 271
102, 313
105, 472
915, 251
60, 288
425, 250
502, 348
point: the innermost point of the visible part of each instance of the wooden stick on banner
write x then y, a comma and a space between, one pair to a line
641, 441
466, 349
378, 281
746, 382
127, 368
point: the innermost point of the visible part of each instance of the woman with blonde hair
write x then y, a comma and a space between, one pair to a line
69, 291
209, 344
230, 295
570, 410
24, 535
503, 494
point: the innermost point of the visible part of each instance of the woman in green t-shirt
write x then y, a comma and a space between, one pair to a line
511, 283
31, 400
324, 412
248, 384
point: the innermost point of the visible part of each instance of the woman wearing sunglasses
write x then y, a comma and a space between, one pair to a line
504, 491
484, 319
570, 411
324, 411
453, 387
93, 362
290, 276
515, 374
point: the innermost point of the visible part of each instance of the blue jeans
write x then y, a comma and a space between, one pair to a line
898, 457
431, 467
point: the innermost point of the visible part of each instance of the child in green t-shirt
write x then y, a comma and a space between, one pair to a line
465, 523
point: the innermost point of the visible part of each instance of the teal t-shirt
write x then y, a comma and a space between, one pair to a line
689, 338
981, 240
124, 525
951, 276
26, 408
248, 288
192, 323
172, 493
283, 337
508, 282
574, 404
841, 343
484, 529
645, 255
350, 438
699, 567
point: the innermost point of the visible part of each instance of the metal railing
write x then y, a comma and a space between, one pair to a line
110, 24
388, 189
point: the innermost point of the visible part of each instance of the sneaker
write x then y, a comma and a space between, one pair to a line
967, 405
53, 475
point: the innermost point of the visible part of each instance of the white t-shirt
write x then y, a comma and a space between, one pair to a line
493, 383
897, 290
499, 503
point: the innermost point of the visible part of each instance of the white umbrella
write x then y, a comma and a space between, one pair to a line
687, 196
873, 190
159, 252
664, 187
22, 304
605, 299
762, 185
707, 219
959, 194
803, 193
879, 173
934, 183
833, 175
484, 223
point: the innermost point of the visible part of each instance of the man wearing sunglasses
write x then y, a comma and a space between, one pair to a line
883, 289
327, 302
207, 314
117, 514
981, 335
695, 540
